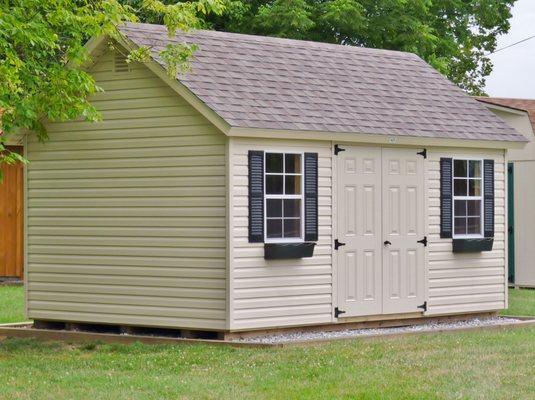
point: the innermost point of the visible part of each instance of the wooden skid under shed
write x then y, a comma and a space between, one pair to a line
25, 330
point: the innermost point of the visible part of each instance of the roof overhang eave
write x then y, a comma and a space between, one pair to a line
503, 108
374, 138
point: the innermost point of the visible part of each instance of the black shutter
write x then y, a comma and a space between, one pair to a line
446, 217
311, 197
256, 196
488, 197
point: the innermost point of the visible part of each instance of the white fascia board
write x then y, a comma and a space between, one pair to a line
414, 141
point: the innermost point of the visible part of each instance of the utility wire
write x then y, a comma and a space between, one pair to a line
513, 44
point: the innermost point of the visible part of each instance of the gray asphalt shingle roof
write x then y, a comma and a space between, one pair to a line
264, 82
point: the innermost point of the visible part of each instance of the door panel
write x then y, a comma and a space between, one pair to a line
11, 220
359, 227
393, 275
403, 226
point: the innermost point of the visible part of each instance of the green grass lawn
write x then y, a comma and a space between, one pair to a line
470, 365
521, 302
11, 304
467, 365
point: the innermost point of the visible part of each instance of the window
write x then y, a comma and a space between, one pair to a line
283, 197
467, 198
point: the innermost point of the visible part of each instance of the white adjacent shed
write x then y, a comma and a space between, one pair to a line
280, 183
520, 114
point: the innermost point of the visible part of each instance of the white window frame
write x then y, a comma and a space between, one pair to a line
480, 198
285, 196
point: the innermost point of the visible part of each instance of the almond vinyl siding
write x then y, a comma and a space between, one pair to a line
126, 217
467, 282
278, 292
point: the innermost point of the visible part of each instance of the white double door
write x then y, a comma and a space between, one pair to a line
380, 219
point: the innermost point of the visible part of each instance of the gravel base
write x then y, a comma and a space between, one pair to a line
428, 327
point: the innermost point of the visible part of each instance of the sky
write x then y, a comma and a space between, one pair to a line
514, 68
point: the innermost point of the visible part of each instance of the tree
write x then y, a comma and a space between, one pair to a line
42, 55
454, 36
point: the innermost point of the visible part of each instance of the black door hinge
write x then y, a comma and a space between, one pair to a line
423, 241
338, 244
423, 306
338, 149
337, 312
423, 153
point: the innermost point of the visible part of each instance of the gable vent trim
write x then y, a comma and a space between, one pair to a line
120, 64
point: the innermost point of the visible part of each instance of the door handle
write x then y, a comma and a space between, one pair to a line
387, 243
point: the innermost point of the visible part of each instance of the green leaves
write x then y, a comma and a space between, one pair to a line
181, 15
177, 56
286, 18
42, 54
343, 18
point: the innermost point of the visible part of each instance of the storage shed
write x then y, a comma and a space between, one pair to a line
520, 114
279, 183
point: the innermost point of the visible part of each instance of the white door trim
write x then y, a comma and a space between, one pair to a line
405, 306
